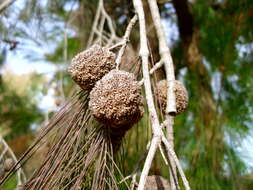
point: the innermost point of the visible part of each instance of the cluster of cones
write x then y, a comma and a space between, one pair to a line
115, 96
87, 131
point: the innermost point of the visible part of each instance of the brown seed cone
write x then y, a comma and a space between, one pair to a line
180, 93
116, 100
91, 65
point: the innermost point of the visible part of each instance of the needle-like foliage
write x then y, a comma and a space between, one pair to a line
81, 153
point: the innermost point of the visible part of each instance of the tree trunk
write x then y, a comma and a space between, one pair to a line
206, 126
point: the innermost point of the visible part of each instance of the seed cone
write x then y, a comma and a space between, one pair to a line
116, 100
180, 93
91, 65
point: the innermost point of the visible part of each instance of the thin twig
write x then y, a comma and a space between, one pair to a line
173, 175
170, 136
20, 171
5, 4
170, 76
174, 157
152, 70
158, 65
3, 153
110, 25
171, 107
165, 55
116, 46
98, 12
125, 40
163, 155
101, 19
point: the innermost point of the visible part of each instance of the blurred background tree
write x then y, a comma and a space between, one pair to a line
211, 43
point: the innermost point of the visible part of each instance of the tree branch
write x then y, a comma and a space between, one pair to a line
101, 18
5, 4
165, 56
144, 53
174, 157
158, 65
171, 105
125, 40
170, 76
20, 172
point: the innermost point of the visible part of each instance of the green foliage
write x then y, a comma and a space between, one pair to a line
10, 184
209, 149
73, 47
19, 111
